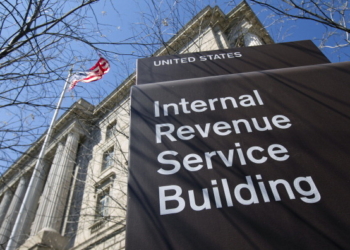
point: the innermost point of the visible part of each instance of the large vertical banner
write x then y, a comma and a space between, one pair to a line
256, 160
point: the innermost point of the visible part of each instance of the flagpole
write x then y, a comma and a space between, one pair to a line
31, 198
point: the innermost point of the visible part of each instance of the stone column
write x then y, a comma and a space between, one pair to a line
41, 212
53, 201
251, 39
5, 203
12, 212
21, 233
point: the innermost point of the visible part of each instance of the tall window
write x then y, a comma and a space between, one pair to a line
107, 159
111, 129
103, 202
102, 205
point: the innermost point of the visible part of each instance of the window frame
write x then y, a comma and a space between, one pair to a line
107, 159
102, 205
111, 129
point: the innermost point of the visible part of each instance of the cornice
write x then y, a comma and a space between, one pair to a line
117, 96
209, 16
244, 11
77, 115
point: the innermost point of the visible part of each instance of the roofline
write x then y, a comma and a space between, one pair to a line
80, 105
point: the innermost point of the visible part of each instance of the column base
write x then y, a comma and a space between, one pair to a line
45, 239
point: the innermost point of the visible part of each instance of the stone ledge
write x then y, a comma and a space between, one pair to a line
44, 240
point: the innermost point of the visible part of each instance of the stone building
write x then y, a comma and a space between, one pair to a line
81, 195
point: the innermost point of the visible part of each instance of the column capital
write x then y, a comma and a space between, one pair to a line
76, 127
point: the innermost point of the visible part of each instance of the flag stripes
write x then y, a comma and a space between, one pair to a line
95, 73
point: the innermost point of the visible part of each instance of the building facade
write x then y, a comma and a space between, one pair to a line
81, 193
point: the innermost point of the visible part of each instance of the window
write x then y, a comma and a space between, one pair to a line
107, 160
102, 205
111, 129
239, 42
103, 202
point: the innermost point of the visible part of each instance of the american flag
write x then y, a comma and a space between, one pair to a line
95, 73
